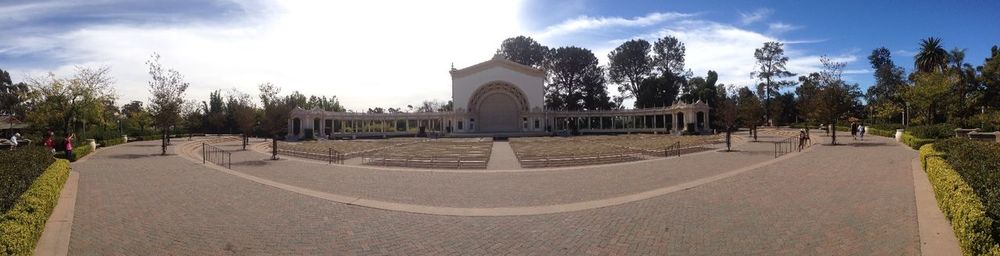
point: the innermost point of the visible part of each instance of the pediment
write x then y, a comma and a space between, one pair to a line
497, 61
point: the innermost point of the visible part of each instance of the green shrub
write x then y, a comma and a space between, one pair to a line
24, 222
887, 127
959, 202
937, 131
111, 142
915, 142
19, 169
79, 151
979, 165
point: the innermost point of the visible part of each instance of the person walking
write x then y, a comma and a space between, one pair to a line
50, 142
861, 131
69, 145
854, 130
802, 139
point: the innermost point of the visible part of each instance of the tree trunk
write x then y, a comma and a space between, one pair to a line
729, 143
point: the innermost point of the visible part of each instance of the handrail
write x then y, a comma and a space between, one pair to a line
676, 146
216, 156
784, 146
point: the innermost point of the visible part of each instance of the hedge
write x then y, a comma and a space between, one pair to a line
915, 142
23, 224
19, 169
79, 151
960, 204
111, 142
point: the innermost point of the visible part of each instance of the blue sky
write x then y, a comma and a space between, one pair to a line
394, 53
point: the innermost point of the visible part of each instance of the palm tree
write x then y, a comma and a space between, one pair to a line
932, 57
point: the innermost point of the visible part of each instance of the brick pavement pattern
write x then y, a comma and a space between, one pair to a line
851, 199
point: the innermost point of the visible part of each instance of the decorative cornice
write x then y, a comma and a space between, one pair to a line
495, 62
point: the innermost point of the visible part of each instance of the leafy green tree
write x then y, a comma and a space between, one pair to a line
991, 79
728, 114
750, 109
886, 95
658, 91
771, 69
136, 116
930, 91
244, 113
628, 65
932, 57
669, 55
835, 99
524, 50
577, 81
13, 96
167, 88
215, 112
65, 103
276, 110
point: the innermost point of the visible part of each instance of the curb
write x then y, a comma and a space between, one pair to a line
56, 235
936, 234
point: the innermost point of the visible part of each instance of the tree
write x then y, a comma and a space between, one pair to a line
244, 113
13, 96
628, 65
835, 98
65, 103
932, 57
771, 61
658, 91
215, 112
728, 114
990, 76
750, 109
136, 116
669, 55
886, 95
577, 81
806, 95
930, 91
524, 50
276, 110
167, 87
703, 89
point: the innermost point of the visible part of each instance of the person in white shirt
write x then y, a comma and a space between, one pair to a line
13, 140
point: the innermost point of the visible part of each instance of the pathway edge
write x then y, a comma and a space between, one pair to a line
59, 226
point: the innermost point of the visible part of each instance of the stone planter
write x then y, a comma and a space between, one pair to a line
964, 133
899, 135
92, 143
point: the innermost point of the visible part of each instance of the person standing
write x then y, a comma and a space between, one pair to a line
50, 142
69, 146
13, 140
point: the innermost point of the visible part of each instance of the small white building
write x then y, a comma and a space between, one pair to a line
494, 97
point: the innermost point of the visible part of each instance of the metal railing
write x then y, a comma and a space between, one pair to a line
334, 156
216, 156
676, 148
784, 146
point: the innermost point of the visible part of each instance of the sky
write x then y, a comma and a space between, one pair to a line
398, 53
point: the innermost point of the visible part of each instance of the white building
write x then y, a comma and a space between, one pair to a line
498, 96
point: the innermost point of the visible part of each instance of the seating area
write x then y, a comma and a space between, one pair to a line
450, 153
347, 148
590, 150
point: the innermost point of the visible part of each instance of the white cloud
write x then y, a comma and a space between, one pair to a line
755, 16
779, 27
591, 23
366, 53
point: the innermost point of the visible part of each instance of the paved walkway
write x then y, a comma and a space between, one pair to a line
842, 200
502, 157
